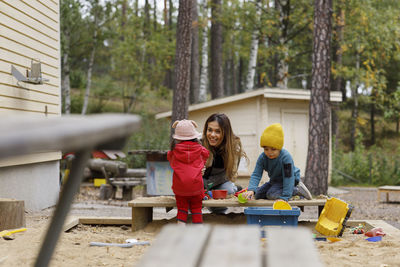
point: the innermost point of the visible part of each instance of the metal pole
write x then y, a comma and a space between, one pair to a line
64, 203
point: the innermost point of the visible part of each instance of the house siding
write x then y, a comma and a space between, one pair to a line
30, 30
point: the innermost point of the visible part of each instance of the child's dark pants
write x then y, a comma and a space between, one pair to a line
269, 191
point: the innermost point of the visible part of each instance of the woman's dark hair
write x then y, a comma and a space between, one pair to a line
230, 148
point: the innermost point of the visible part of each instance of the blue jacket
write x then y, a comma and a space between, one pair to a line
280, 170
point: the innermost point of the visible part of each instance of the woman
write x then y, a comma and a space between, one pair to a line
225, 154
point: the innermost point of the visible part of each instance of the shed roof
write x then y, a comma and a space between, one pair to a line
295, 94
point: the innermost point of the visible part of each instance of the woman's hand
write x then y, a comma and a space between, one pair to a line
248, 194
203, 170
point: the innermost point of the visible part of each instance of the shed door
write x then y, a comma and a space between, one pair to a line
295, 128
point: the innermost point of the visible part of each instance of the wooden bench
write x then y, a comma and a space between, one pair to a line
142, 208
387, 189
231, 246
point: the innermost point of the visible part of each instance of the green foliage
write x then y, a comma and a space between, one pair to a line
77, 79
373, 166
76, 102
153, 135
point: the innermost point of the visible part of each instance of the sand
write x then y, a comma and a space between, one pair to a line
73, 248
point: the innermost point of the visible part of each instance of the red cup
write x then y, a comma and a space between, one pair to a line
219, 194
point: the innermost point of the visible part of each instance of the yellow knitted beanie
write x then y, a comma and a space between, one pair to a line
272, 136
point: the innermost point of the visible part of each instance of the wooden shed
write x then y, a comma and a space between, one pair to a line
251, 112
30, 86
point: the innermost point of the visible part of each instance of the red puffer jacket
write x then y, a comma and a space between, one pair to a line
187, 159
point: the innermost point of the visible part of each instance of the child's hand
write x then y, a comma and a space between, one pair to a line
248, 194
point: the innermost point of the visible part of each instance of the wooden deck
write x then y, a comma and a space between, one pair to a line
231, 246
387, 189
142, 208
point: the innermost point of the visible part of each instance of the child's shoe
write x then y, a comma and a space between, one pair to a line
303, 191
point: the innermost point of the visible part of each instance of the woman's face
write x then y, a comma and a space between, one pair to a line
214, 134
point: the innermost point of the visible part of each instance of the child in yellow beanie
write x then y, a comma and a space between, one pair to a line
284, 178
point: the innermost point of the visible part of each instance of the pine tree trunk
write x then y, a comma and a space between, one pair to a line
317, 170
195, 66
217, 86
182, 62
204, 56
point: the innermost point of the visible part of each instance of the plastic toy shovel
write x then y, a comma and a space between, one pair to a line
374, 238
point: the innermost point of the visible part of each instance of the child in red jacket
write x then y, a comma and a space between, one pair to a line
187, 158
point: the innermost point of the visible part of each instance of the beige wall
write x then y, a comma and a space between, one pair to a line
30, 30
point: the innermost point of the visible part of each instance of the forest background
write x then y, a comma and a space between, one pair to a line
119, 56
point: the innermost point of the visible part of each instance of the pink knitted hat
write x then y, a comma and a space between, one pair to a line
185, 130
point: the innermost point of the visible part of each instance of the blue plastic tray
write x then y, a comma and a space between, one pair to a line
268, 216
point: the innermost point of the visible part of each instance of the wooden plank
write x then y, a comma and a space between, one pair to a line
21, 104
169, 201
30, 42
31, 95
230, 246
28, 30
12, 214
389, 188
163, 201
50, 5
21, 49
141, 217
70, 222
126, 183
27, 135
106, 220
177, 246
291, 246
28, 20
50, 22
13, 112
